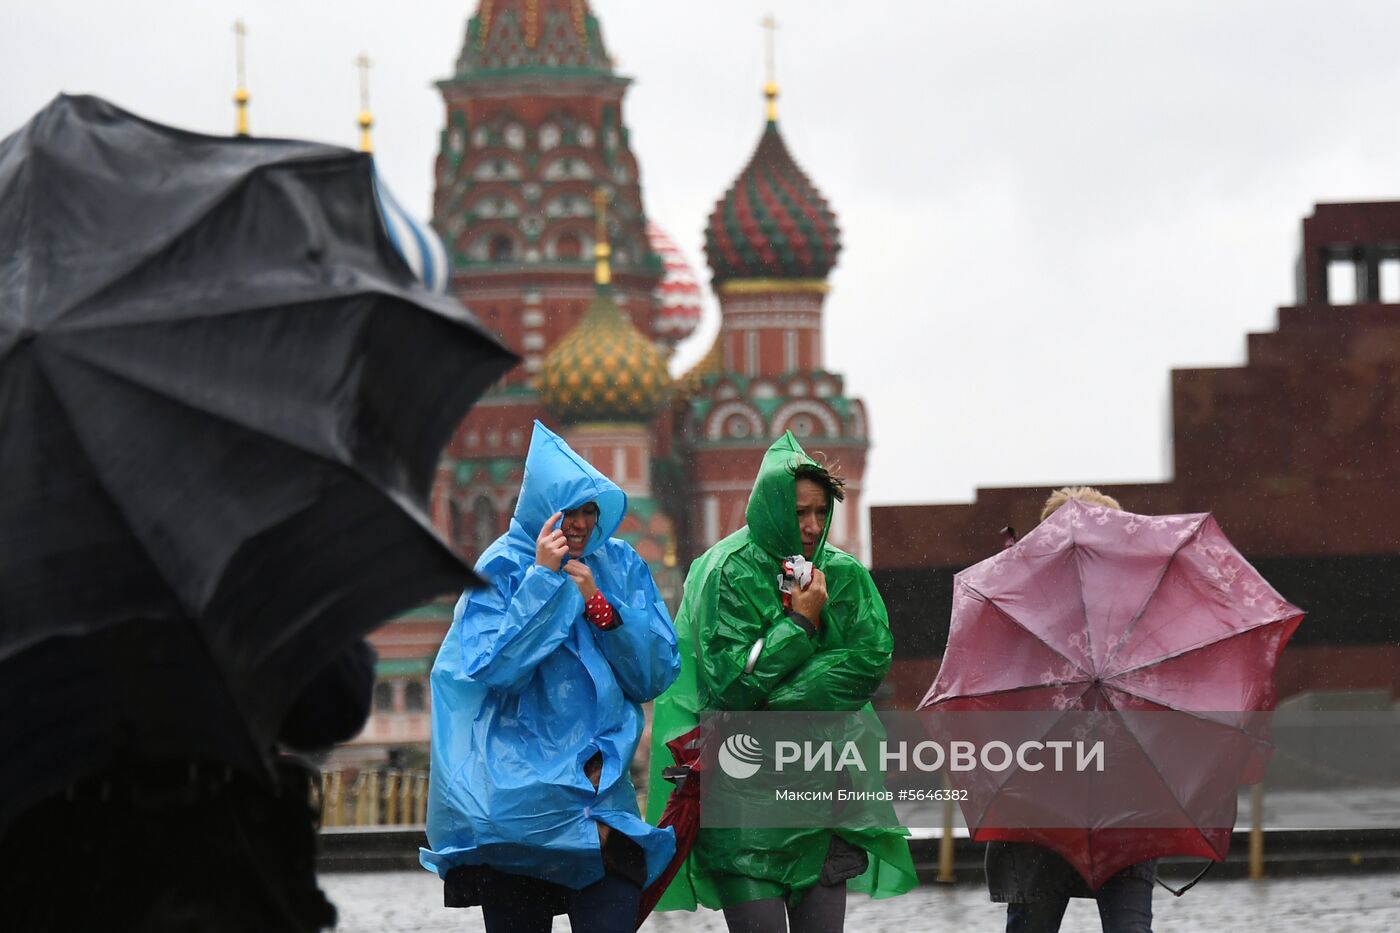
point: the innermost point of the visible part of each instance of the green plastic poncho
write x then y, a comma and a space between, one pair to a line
731, 600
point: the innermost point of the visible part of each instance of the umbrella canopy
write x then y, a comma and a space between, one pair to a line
1157, 627
682, 812
223, 397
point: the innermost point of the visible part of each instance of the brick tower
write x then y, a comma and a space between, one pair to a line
770, 242
534, 126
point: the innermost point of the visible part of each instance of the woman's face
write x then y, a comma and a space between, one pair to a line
578, 525
813, 504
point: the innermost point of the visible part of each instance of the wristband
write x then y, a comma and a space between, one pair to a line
600, 613
804, 623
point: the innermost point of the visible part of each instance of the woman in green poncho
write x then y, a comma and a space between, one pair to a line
742, 650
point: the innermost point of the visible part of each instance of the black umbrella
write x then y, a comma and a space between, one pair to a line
223, 397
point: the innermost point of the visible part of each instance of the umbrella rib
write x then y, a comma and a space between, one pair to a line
162, 244
1142, 610
405, 503
96, 473
315, 294
1016, 622
1007, 691
1193, 713
1200, 646
224, 417
1012, 773
1179, 805
1083, 603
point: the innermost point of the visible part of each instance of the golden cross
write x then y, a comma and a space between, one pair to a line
240, 32
364, 64
366, 118
770, 23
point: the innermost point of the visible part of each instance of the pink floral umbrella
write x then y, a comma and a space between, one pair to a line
1156, 621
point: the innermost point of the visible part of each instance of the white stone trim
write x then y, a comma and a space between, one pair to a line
714, 424
805, 406
764, 321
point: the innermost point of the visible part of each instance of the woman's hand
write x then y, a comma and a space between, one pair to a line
551, 546
593, 770
811, 601
583, 578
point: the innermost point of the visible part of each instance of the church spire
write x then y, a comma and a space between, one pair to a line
240, 94
770, 87
366, 118
602, 250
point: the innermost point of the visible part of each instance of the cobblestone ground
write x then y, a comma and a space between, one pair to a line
410, 902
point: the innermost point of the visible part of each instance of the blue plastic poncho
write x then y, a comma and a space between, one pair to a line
525, 691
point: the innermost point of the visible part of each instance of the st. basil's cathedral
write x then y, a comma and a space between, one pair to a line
539, 202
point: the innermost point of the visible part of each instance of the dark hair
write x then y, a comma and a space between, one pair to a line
825, 475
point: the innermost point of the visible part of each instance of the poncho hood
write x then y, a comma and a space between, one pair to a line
557, 479
772, 510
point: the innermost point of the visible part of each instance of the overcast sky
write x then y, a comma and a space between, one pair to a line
1044, 206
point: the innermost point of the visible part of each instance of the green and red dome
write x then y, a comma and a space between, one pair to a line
772, 223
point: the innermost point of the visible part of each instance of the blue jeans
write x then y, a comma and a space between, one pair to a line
1125, 906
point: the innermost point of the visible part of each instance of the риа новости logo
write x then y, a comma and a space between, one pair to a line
740, 756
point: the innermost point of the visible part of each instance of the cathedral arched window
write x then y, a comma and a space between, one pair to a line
413, 696
456, 530
568, 167
384, 697
502, 249
806, 418
483, 523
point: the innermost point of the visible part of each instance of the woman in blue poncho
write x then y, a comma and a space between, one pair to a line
536, 714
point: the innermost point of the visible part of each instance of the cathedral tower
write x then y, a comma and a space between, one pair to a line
770, 242
534, 125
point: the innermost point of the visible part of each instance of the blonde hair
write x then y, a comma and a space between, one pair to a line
1082, 493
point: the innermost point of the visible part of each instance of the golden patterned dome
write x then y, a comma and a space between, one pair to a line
604, 369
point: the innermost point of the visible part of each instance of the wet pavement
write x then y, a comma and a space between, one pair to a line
411, 902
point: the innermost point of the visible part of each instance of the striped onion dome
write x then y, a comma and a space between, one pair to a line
416, 242
772, 223
603, 370
679, 292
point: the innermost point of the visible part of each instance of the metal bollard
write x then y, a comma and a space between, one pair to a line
361, 791
945, 842
372, 799
391, 797
1256, 831
405, 797
327, 798
337, 807
420, 798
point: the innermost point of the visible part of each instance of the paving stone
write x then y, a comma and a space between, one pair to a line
411, 902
